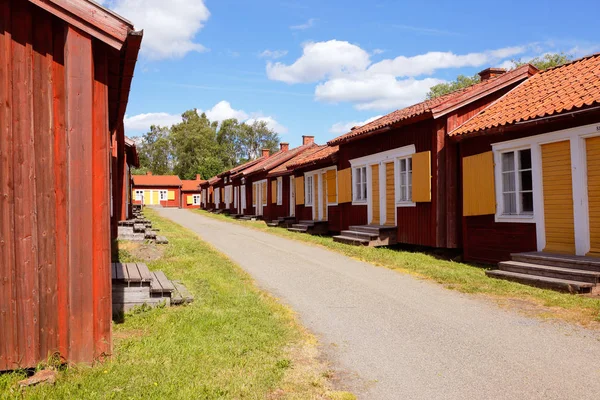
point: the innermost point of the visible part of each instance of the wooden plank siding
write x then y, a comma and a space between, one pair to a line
55, 288
390, 195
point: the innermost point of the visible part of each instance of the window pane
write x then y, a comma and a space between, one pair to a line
409, 178
403, 179
508, 182
526, 180
525, 159
402, 193
364, 190
510, 203
527, 202
402, 165
410, 164
508, 162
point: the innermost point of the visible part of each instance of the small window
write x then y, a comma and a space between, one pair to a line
517, 183
405, 180
360, 184
163, 195
139, 195
196, 199
309, 191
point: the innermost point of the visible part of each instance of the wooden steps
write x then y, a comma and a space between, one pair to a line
573, 274
285, 222
312, 227
368, 235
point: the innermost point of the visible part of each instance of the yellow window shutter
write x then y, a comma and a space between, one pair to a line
273, 191
299, 190
331, 186
190, 200
479, 193
171, 195
253, 195
264, 193
421, 177
344, 178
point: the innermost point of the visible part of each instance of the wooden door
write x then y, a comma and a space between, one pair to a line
375, 206
593, 175
155, 197
558, 197
390, 194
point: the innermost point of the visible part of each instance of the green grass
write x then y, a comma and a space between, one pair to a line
463, 277
232, 342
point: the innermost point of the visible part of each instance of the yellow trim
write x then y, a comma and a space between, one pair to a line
344, 185
331, 176
375, 194
479, 192
273, 191
264, 193
156, 197
421, 173
190, 200
299, 181
558, 197
390, 194
593, 172
171, 195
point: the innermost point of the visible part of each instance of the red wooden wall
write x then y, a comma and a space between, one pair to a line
165, 203
55, 288
184, 196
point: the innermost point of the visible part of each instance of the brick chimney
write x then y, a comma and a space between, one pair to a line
284, 146
307, 140
265, 153
198, 177
149, 173
491, 73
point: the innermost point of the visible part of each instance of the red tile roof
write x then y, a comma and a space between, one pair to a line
191, 186
156, 180
560, 89
324, 153
275, 160
283, 168
241, 167
440, 104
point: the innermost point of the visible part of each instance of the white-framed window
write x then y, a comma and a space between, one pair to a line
196, 199
164, 195
308, 199
279, 191
517, 183
404, 180
359, 176
139, 195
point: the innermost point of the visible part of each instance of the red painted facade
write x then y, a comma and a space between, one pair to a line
63, 91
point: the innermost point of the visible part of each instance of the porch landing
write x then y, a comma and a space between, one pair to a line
573, 274
368, 235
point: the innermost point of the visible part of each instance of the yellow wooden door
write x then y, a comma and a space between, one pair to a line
155, 197
593, 172
558, 197
376, 220
390, 194
147, 198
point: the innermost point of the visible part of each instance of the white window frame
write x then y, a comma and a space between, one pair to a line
397, 183
236, 192
308, 189
279, 190
228, 192
196, 199
163, 193
217, 196
139, 195
516, 172
356, 173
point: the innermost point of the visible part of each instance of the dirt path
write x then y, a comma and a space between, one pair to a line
391, 336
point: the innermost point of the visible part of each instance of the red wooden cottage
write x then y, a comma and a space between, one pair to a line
404, 171
191, 194
531, 177
157, 190
208, 193
124, 209
65, 72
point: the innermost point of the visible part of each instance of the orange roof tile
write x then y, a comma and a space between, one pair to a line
156, 180
283, 168
191, 186
560, 89
275, 160
440, 104
241, 167
324, 153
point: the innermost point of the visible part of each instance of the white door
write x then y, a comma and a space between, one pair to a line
292, 197
243, 199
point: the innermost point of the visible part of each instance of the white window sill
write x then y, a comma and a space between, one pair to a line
406, 204
308, 205
332, 204
359, 202
521, 219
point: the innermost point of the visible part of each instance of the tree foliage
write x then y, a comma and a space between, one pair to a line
546, 61
200, 146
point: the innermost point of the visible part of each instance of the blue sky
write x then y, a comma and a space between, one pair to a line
320, 67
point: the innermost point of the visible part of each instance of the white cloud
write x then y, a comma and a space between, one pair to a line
271, 124
169, 26
344, 72
274, 54
378, 51
339, 128
309, 24
222, 111
320, 60
142, 122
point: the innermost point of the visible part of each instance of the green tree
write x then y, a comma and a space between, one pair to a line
255, 137
546, 61
229, 138
155, 151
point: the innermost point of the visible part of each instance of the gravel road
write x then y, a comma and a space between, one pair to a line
392, 336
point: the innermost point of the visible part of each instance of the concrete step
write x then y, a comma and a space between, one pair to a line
550, 272
563, 285
376, 229
351, 240
360, 235
558, 260
299, 230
